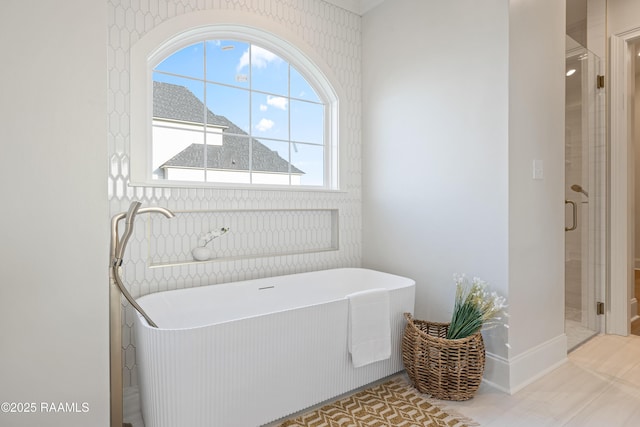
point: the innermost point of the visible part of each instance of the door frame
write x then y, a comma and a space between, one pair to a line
621, 225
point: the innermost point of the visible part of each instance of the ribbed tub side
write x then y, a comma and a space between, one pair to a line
253, 371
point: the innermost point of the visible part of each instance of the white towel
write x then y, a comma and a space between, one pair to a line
369, 326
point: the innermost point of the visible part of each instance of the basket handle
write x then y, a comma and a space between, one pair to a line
412, 324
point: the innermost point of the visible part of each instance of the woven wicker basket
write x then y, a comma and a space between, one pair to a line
445, 369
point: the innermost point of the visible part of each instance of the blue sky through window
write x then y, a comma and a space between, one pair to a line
260, 93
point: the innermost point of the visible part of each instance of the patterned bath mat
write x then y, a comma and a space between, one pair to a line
394, 403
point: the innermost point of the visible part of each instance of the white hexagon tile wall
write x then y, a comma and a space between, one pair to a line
272, 232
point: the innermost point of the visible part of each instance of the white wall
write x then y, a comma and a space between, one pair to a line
622, 15
458, 100
536, 207
54, 216
435, 145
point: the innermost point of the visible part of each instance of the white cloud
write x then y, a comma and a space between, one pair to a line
265, 125
278, 102
259, 58
244, 61
263, 107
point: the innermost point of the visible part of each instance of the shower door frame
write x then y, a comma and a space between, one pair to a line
592, 175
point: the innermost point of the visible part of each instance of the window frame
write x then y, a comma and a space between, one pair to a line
149, 52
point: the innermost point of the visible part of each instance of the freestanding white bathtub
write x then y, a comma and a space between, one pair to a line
247, 353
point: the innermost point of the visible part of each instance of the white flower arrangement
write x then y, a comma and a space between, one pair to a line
475, 308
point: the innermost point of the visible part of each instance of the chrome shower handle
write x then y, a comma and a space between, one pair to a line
574, 208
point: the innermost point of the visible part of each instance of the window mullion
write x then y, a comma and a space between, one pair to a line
205, 109
250, 114
289, 121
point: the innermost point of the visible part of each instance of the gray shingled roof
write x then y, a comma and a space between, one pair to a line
174, 102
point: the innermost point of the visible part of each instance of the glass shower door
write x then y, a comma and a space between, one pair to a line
585, 170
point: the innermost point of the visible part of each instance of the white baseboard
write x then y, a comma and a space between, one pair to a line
496, 372
634, 309
513, 374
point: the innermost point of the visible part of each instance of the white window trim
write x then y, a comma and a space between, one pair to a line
179, 32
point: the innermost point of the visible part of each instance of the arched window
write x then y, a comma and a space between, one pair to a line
236, 110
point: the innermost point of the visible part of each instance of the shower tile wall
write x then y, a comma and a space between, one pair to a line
326, 226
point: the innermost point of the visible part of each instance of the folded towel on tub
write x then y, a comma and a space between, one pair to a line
369, 326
